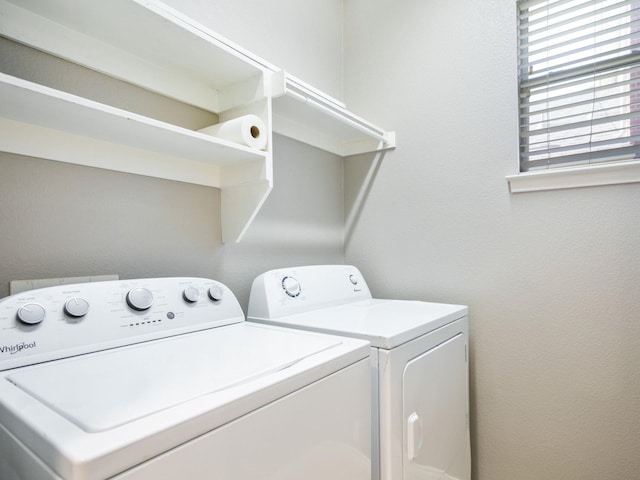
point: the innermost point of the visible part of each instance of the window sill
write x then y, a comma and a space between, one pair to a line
574, 177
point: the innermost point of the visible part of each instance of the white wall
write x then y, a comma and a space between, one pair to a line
551, 278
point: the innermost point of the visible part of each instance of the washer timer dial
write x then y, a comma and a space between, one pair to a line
140, 299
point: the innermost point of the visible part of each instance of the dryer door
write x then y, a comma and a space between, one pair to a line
435, 409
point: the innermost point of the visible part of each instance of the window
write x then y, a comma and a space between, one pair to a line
579, 82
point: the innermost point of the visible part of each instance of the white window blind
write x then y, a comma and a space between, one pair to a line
579, 82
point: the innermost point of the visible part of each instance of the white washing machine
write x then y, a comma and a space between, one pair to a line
420, 428
163, 379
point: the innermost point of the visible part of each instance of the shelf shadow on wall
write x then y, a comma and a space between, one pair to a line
360, 172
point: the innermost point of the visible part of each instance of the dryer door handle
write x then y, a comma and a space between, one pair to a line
414, 435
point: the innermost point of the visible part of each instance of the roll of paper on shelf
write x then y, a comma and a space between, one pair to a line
247, 130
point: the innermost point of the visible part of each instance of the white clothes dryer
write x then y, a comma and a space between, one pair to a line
420, 424
159, 379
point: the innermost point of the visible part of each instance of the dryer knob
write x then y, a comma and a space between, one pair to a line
31, 313
215, 293
140, 299
76, 307
291, 286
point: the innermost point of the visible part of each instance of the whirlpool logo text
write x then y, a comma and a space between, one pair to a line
18, 347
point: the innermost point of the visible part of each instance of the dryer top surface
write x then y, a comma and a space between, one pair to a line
384, 323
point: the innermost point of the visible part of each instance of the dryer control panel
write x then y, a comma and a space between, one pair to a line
66, 320
288, 291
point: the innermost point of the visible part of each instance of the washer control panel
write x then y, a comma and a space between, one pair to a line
287, 291
66, 320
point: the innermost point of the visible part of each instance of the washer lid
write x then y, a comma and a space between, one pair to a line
102, 391
384, 323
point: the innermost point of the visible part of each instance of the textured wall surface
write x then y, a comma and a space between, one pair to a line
551, 278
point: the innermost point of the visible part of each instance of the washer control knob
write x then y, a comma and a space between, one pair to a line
291, 286
76, 307
191, 294
140, 299
215, 293
31, 313
353, 279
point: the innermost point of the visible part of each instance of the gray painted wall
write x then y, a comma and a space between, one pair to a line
551, 278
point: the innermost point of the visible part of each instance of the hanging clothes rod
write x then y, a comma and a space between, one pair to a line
339, 116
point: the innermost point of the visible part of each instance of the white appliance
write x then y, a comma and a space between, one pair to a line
163, 379
420, 428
